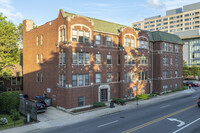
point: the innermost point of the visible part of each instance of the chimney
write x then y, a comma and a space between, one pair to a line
27, 25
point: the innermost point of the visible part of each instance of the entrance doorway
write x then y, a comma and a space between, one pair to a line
104, 95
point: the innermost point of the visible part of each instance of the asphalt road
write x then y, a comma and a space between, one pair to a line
178, 115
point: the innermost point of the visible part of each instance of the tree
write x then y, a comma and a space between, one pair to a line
186, 72
194, 70
9, 53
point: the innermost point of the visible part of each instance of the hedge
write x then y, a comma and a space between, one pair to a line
9, 101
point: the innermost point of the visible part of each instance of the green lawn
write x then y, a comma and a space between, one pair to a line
10, 123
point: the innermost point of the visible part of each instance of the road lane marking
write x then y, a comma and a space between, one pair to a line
158, 119
165, 106
174, 119
108, 123
186, 125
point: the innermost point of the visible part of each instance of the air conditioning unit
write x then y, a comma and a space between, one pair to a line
66, 85
57, 44
159, 52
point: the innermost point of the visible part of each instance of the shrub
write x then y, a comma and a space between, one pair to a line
119, 101
185, 87
152, 95
143, 96
9, 101
15, 114
99, 104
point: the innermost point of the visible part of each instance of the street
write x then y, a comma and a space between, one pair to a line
178, 115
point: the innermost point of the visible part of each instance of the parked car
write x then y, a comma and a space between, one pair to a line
41, 106
193, 84
198, 101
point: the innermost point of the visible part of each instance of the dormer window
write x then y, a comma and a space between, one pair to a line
80, 36
80, 39
62, 33
129, 42
143, 43
74, 35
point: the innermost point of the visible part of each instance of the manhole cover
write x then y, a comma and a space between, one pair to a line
122, 117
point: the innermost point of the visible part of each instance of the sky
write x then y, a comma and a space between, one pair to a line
119, 11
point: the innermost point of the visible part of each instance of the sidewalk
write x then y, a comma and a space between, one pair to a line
62, 118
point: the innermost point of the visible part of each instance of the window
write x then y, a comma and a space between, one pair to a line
171, 74
41, 39
171, 47
129, 77
97, 39
176, 74
80, 39
165, 47
129, 42
165, 60
74, 58
165, 74
143, 44
142, 60
13, 81
98, 58
81, 100
108, 41
118, 59
41, 77
176, 86
87, 58
142, 75
98, 78
62, 34
171, 60
74, 80
118, 76
38, 58
80, 58
74, 35
62, 80
165, 88
109, 77
109, 59
87, 79
80, 80
37, 40
18, 80
37, 77
129, 59
176, 60
176, 48
62, 58
80, 36
87, 37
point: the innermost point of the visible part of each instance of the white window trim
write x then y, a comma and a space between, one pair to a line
128, 34
59, 39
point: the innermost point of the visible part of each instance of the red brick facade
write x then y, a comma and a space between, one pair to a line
44, 45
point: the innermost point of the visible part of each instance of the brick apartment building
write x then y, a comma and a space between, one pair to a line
77, 60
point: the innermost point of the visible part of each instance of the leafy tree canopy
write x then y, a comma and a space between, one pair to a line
9, 53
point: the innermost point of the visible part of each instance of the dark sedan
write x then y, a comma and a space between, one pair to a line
41, 106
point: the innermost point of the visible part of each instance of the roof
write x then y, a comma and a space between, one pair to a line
102, 25
110, 27
167, 37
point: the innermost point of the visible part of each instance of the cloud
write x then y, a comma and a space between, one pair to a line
156, 4
9, 11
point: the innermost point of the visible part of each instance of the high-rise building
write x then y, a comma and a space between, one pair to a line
184, 22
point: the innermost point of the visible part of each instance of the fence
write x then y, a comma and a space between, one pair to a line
26, 106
